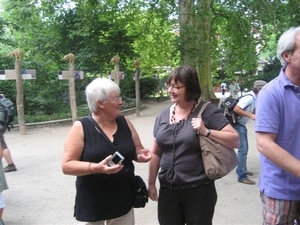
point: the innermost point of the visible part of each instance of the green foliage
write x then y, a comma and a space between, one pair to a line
148, 86
271, 70
65, 113
154, 37
234, 48
163, 79
8, 88
47, 100
52, 32
95, 31
127, 86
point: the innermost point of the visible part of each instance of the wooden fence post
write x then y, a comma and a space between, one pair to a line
18, 54
137, 86
116, 61
71, 58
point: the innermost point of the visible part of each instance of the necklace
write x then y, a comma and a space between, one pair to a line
186, 117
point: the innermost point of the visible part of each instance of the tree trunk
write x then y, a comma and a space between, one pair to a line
137, 91
195, 32
188, 48
72, 92
117, 72
20, 97
204, 45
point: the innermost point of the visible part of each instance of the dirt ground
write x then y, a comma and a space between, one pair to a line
40, 194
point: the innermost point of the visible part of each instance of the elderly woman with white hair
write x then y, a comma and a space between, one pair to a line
104, 192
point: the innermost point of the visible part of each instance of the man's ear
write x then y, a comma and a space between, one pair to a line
287, 56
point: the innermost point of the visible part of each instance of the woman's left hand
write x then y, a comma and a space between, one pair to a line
144, 156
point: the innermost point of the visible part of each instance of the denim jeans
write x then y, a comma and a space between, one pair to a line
241, 169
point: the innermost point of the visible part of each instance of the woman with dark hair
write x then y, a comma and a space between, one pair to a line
186, 195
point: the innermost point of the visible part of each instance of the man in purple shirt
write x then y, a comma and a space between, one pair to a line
277, 129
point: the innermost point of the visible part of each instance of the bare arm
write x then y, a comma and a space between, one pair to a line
153, 171
266, 145
142, 154
73, 148
228, 136
242, 112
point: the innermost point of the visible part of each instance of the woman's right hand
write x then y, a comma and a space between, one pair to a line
152, 192
103, 167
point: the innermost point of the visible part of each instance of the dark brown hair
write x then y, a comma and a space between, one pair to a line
187, 75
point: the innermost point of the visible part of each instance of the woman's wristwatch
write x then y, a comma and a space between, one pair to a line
208, 131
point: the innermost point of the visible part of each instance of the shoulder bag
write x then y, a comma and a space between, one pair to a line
218, 160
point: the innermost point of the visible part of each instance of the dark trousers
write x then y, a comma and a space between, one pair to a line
191, 206
223, 91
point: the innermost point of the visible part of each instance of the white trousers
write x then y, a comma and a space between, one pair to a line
127, 219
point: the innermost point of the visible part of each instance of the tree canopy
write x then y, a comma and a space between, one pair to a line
218, 37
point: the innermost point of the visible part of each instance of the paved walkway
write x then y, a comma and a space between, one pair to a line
40, 194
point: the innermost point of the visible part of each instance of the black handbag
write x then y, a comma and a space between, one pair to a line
140, 192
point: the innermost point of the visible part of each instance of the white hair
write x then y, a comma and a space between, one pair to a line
99, 90
286, 43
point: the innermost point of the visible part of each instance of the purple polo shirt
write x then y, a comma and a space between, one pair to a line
278, 112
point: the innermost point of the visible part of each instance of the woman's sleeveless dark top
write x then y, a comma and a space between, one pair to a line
105, 196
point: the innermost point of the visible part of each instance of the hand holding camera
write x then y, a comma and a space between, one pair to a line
116, 159
110, 165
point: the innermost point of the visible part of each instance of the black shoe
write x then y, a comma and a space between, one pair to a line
10, 168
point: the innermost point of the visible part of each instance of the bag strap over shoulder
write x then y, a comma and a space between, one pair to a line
203, 107
244, 96
98, 128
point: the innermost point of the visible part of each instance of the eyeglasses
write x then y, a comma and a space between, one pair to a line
173, 87
117, 98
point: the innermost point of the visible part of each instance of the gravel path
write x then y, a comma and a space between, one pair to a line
40, 194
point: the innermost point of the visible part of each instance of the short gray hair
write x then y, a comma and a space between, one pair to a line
99, 90
286, 43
